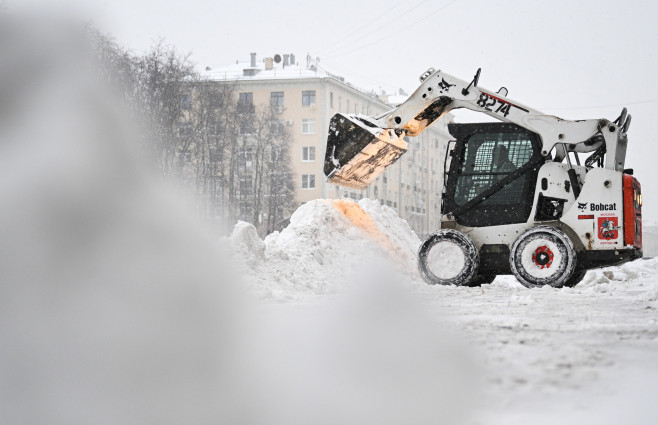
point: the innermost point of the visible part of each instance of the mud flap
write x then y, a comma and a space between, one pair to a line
358, 151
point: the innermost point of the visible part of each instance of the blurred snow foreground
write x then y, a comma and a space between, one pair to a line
115, 308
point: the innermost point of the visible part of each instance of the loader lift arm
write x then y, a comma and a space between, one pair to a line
359, 147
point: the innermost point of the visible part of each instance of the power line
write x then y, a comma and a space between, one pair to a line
361, 28
603, 106
338, 49
397, 32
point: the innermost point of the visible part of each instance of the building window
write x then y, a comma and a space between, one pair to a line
276, 99
308, 181
214, 128
356, 108
246, 185
347, 102
246, 125
331, 100
246, 103
215, 154
217, 101
185, 130
248, 157
308, 126
276, 128
340, 104
308, 97
186, 102
308, 153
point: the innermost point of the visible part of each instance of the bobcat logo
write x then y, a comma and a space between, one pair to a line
582, 206
444, 86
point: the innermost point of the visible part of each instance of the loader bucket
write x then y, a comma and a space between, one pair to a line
358, 151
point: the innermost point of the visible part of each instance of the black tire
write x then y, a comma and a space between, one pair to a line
542, 256
575, 279
434, 259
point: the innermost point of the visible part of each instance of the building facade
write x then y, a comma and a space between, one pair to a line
307, 98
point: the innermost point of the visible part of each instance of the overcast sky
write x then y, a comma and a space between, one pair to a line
574, 59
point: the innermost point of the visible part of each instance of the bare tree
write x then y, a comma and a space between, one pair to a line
239, 154
280, 184
213, 129
118, 66
255, 171
231, 154
261, 137
272, 177
154, 86
162, 75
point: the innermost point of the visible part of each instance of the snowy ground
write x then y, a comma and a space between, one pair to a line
555, 353
587, 354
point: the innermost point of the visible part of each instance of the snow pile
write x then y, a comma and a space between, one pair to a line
634, 280
326, 241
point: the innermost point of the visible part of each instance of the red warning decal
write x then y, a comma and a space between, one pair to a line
608, 228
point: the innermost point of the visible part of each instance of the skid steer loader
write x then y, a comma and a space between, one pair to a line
516, 198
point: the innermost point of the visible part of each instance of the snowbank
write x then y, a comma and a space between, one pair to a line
326, 241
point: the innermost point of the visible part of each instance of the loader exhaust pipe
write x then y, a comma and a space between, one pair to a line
358, 150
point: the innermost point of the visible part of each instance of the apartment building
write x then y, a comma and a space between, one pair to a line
308, 97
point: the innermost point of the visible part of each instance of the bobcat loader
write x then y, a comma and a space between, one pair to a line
516, 198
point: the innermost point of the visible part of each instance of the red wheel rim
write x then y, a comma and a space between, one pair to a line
542, 257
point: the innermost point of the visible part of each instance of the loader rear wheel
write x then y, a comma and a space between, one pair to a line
542, 256
448, 257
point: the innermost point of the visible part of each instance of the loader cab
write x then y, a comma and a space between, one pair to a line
493, 174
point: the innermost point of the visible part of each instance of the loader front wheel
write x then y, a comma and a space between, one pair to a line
542, 256
448, 257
